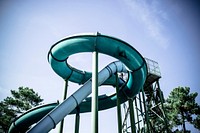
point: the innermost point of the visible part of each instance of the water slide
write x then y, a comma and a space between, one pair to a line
130, 61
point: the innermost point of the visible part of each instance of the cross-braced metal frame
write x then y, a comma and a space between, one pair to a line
145, 113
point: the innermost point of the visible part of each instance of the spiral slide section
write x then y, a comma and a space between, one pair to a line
130, 61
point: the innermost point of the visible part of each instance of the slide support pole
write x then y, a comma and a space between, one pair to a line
146, 111
118, 106
64, 97
136, 106
77, 120
95, 92
132, 116
162, 105
145, 121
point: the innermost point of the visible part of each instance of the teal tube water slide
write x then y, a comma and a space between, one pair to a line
130, 61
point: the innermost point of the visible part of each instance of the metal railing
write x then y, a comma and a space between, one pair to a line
153, 67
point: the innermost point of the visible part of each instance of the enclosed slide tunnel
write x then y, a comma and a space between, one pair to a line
130, 61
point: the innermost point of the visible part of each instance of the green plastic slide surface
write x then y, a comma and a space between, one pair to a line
22, 123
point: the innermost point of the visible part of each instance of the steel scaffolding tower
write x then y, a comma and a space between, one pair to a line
145, 112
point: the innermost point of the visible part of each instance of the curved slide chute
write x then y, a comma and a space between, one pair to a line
128, 56
32, 116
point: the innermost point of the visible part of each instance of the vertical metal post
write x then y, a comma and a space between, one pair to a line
95, 92
64, 97
132, 116
138, 121
118, 106
162, 104
146, 111
141, 110
77, 120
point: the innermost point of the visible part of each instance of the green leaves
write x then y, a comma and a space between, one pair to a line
21, 101
181, 107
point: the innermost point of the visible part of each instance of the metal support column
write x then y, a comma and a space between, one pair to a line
119, 117
142, 113
77, 120
138, 121
146, 111
132, 116
162, 105
95, 92
64, 97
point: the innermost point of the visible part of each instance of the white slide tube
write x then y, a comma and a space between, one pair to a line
56, 115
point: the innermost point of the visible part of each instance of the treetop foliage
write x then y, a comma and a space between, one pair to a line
181, 107
21, 100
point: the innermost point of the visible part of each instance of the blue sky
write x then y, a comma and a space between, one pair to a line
165, 31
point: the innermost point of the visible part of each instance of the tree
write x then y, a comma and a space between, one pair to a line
181, 107
21, 101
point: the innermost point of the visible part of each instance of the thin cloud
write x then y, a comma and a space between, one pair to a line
152, 18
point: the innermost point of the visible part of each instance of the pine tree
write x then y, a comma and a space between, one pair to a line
20, 101
181, 107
